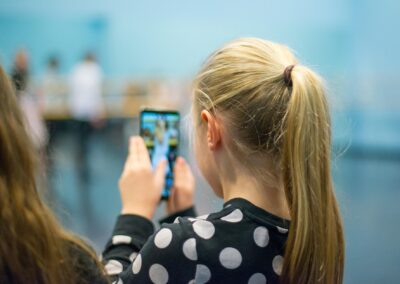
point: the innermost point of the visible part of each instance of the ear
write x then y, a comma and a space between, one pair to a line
213, 130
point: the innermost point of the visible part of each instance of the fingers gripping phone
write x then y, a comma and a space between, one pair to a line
160, 132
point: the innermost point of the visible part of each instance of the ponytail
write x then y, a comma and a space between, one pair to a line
314, 251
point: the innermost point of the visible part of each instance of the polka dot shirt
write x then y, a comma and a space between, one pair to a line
241, 243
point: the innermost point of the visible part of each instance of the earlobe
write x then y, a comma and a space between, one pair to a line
211, 140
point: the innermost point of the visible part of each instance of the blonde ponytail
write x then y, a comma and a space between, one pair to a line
284, 125
315, 246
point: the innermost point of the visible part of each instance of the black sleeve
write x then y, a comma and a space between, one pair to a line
128, 237
169, 255
189, 212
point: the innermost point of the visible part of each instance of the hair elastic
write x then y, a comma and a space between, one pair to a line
287, 75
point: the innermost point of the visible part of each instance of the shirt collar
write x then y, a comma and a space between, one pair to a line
257, 212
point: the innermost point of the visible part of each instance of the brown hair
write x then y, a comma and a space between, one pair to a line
288, 124
33, 248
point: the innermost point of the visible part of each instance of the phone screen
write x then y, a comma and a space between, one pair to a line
160, 131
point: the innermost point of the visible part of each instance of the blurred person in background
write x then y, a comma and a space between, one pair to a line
53, 89
27, 99
53, 103
262, 141
20, 71
34, 248
87, 108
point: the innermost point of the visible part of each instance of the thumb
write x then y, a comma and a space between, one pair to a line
159, 174
178, 167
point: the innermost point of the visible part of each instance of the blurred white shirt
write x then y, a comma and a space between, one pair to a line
85, 98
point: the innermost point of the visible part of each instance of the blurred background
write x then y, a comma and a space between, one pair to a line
133, 53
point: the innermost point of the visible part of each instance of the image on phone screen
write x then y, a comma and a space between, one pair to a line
160, 131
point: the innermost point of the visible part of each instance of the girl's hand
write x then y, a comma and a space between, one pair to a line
140, 187
182, 192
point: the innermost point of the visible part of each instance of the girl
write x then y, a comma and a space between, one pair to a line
262, 141
33, 247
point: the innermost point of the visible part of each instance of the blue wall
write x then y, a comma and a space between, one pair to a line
171, 38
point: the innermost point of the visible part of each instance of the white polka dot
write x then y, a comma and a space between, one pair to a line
189, 249
277, 264
158, 274
163, 238
176, 221
282, 230
204, 229
203, 274
230, 258
257, 278
137, 264
203, 217
192, 219
261, 236
121, 239
113, 267
192, 282
133, 256
118, 282
233, 217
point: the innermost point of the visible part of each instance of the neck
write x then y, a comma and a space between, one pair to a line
269, 198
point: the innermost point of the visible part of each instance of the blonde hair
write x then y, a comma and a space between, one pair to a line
244, 83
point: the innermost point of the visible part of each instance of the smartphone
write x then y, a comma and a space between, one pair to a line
160, 131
